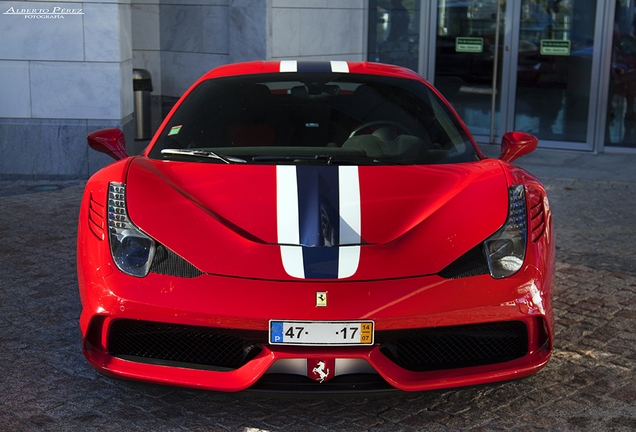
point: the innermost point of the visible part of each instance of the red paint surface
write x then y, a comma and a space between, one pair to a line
222, 218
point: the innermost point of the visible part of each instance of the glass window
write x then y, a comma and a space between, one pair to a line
554, 70
620, 128
394, 32
315, 119
464, 60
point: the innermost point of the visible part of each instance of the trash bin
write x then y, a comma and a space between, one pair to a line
142, 86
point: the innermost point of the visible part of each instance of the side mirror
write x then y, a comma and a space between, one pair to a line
109, 141
516, 144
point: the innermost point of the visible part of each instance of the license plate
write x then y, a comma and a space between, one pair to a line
321, 332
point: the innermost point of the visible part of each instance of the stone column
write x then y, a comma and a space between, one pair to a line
65, 71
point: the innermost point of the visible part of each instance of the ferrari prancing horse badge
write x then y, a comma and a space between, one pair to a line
321, 369
321, 298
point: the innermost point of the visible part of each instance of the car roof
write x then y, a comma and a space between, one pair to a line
260, 67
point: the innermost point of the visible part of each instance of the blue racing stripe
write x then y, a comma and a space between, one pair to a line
321, 262
313, 66
319, 220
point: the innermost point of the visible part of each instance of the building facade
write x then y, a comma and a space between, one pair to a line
564, 70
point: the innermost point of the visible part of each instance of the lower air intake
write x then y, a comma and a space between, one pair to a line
439, 348
183, 346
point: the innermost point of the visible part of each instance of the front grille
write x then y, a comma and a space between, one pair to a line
184, 346
439, 348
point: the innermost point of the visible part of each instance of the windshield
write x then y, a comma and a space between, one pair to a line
311, 118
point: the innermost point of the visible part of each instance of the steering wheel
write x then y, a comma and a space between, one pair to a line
395, 124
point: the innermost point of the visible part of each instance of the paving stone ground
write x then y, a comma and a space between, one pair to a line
590, 383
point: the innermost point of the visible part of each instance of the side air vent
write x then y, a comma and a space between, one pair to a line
96, 217
472, 263
439, 348
537, 214
169, 263
193, 347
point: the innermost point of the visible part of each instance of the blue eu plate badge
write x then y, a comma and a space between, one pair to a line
277, 331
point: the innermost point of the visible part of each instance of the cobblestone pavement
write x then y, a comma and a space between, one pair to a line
590, 383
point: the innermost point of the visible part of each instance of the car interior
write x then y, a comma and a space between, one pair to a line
264, 121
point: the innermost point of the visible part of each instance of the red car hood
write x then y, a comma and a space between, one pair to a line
251, 220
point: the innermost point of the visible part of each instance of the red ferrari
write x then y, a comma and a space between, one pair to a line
315, 226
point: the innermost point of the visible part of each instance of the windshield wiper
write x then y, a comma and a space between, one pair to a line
203, 154
328, 159
266, 158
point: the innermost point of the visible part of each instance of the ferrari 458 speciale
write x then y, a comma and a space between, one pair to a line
315, 226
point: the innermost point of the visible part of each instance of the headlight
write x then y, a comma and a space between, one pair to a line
131, 249
506, 249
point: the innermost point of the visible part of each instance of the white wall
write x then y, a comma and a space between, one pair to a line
66, 68
317, 30
178, 41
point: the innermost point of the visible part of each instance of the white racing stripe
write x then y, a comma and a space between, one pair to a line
288, 65
339, 66
288, 224
350, 220
287, 220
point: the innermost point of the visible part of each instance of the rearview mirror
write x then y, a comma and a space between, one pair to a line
516, 144
109, 141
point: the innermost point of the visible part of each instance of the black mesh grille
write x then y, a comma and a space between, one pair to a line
472, 263
453, 347
189, 346
169, 263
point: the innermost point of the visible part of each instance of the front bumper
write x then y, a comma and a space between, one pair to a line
214, 302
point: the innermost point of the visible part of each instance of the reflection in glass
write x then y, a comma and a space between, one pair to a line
621, 114
554, 68
394, 32
463, 71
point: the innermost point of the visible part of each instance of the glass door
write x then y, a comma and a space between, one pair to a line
620, 122
469, 58
535, 70
394, 32
555, 57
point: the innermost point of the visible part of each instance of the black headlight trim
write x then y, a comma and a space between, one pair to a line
472, 263
169, 263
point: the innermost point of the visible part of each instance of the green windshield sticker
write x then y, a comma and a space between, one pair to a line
555, 47
175, 130
469, 44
